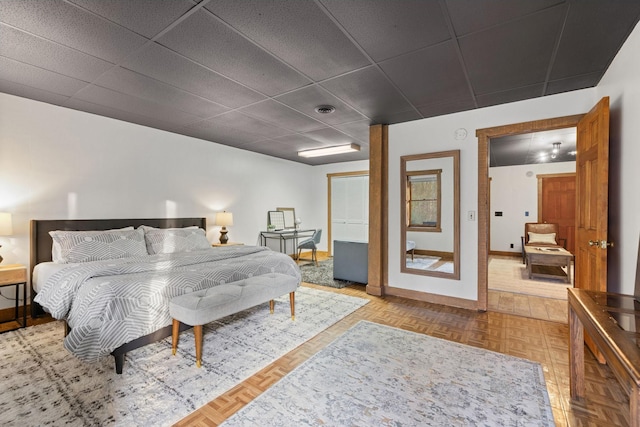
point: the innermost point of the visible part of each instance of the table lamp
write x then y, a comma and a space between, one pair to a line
6, 227
224, 219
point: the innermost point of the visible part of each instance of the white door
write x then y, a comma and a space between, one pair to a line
350, 208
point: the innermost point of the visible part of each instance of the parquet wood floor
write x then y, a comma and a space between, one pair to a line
543, 341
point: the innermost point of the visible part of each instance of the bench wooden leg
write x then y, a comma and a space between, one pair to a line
197, 332
272, 305
292, 303
175, 333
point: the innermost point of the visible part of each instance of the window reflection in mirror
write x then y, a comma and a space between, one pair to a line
423, 200
430, 214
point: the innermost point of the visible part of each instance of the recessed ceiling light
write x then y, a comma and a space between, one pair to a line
338, 149
325, 109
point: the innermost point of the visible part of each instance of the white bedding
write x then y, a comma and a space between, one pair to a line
44, 270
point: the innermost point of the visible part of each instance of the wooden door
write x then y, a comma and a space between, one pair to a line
557, 205
592, 184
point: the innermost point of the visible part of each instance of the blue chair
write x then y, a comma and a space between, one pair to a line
311, 243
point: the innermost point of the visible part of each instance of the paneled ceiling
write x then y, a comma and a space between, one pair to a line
249, 73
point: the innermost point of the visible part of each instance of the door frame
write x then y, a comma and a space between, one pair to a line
484, 136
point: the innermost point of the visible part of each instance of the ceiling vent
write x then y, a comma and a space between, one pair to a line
325, 109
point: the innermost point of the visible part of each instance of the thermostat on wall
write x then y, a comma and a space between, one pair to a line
460, 133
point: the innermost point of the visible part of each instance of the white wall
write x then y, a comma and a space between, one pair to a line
438, 134
621, 83
58, 163
514, 194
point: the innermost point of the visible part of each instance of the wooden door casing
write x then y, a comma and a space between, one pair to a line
557, 205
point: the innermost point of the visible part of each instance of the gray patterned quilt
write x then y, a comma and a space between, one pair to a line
110, 303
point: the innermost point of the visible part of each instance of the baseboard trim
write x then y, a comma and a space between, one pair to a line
505, 253
7, 314
432, 298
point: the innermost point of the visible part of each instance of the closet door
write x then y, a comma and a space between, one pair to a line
350, 208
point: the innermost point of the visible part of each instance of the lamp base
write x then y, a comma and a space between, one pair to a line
223, 236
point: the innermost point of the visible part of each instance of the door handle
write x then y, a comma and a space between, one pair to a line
602, 244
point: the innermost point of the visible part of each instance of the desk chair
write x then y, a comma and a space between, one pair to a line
311, 243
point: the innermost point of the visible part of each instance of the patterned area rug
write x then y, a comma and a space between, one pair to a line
376, 375
322, 274
43, 384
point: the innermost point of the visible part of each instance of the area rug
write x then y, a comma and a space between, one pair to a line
43, 384
376, 375
422, 262
510, 275
321, 274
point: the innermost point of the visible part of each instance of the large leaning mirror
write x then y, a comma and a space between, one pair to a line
430, 214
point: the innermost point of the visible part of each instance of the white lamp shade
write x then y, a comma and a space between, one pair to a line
224, 219
6, 227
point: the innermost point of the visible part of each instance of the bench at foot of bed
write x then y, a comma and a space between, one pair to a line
201, 307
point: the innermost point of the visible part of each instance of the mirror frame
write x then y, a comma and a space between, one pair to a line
455, 155
289, 217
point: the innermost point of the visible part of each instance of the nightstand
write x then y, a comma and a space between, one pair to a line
218, 244
16, 275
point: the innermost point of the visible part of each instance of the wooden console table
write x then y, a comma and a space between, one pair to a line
548, 262
613, 322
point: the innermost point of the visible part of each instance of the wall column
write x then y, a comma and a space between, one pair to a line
378, 208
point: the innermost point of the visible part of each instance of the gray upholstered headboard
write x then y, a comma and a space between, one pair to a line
41, 242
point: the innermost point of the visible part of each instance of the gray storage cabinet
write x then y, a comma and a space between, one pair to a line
351, 261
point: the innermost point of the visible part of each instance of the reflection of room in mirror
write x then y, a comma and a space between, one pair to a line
430, 213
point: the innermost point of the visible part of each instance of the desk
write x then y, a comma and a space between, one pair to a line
603, 316
283, 236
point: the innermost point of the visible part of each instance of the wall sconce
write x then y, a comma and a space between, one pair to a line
555, 150
6, 226
224, 219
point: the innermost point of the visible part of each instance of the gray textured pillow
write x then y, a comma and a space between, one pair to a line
172, 240
83, 246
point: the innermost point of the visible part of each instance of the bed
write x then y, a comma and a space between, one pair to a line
113, 306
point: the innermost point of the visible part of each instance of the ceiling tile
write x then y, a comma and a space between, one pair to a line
513, 95
131, 104
581, 51
494, 65
446, 107
446, 77
468, 16
215, 132
396, 117
237, 120
71, 26
132, 83
328, 137
30, 92
358, 130
114, 113
574, 83
145, 17
297, 32
45, 54
282, 116
29, 75
368, 91
385, 30
209, 42
307, 98
162, 64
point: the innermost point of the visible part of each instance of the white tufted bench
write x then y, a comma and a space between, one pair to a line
201, 307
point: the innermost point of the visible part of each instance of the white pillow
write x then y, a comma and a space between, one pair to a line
96, 245
542, 239
172, 240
